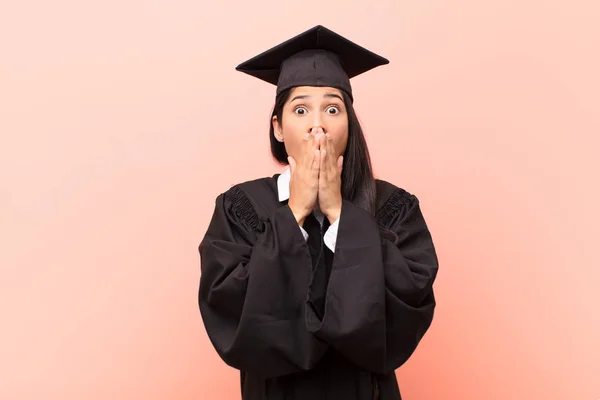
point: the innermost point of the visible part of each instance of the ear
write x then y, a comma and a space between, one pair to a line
277, 129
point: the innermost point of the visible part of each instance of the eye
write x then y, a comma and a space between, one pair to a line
300, 110
332, 110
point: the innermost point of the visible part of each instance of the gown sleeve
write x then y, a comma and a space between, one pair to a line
253, 288
379, 300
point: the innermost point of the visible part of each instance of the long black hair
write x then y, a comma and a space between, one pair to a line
358, 182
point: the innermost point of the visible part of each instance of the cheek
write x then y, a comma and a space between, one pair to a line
291, 129
292, 140
340, 140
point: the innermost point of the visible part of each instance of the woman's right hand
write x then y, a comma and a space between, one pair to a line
304, 180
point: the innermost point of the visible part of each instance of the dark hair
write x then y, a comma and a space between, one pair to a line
358, 182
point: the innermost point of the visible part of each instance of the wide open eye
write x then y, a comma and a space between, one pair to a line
301, 111
332, 110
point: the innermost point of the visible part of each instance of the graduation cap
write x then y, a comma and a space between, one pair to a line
316, 57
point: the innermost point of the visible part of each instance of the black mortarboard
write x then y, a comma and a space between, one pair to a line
317, 57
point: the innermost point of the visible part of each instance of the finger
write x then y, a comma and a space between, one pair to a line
315, 168
292, 164
311, 134
319, 134
340, 163
323, 164
308, 151
331, 161
318, 139
316, 145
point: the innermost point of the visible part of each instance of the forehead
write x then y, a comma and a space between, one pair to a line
314, 91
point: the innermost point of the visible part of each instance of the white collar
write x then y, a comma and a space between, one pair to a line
283, 185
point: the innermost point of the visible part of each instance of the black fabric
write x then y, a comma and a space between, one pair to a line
316, 57
314, 241
321, 270
298, 329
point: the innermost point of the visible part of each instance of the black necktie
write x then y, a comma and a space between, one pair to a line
314, 241
321, 262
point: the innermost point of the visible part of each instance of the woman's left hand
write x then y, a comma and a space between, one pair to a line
330, 181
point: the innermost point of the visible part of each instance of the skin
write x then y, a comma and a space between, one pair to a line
314, 130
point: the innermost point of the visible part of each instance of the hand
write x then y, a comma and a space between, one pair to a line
330, 181
304, 180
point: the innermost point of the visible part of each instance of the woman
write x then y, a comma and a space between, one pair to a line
317, 283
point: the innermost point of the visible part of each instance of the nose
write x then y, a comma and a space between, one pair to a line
317, 123
313, 130
317, 127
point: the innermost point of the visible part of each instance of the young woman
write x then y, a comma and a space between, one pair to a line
317, 283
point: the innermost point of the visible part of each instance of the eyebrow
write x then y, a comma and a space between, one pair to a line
326, 95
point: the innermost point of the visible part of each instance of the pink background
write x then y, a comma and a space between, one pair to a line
122, 120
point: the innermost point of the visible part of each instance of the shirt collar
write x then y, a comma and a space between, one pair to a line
283, 185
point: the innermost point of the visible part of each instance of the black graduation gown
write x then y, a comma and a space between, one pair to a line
301, 322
